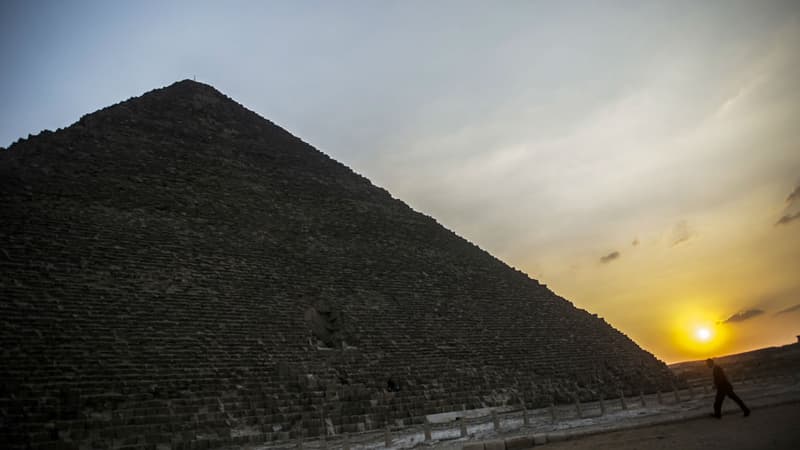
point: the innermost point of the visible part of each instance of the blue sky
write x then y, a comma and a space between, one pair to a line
553, 134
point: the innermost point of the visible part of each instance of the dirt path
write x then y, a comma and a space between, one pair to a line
769, 428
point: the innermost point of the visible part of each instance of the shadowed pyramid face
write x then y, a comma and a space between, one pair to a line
177, 247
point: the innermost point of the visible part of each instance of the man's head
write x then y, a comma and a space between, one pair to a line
710, 362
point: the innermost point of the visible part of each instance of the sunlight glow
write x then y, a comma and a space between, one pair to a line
696, 329
703, 334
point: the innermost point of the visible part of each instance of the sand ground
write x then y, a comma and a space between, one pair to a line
767, 428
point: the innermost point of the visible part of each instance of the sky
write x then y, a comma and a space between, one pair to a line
640, 158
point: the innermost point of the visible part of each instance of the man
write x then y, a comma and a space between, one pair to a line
724, 388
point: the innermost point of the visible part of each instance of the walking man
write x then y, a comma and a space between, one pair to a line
724, 388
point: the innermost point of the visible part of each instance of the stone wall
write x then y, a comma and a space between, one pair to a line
178, 272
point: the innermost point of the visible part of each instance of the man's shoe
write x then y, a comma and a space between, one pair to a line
746, 412
716, 416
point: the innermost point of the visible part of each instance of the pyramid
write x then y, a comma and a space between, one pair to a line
179, 272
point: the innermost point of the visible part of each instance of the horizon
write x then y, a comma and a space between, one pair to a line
661, 192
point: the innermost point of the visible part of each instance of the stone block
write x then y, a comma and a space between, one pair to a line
473, 446
519, 442
498, 444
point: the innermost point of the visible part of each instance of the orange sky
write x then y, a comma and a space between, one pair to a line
660, 294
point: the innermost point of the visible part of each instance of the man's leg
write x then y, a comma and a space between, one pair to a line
718, 403
739, 402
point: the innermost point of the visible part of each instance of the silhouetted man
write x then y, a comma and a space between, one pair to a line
724, 388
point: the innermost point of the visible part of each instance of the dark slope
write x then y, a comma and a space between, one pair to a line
178, 256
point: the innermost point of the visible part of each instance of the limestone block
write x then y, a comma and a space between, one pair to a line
495, 445
557, 436
473, 446
519, 442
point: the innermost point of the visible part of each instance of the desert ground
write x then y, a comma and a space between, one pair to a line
767, 428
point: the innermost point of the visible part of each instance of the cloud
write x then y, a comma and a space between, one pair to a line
789, 309
609, 257
795, 195
786, 218
680, 233
792, 204
746, 314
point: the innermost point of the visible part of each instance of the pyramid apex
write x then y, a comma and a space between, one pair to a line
187, 86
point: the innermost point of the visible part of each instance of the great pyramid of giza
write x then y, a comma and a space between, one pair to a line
178, 272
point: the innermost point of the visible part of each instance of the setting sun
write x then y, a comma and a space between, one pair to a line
696, 329
703, 334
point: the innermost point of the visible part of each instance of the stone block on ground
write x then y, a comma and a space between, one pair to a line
519, 442
495, 445
557, 436
473, 446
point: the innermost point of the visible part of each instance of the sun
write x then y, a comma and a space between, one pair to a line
696, 332
703, 334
